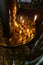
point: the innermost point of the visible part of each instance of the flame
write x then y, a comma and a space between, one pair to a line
35, 17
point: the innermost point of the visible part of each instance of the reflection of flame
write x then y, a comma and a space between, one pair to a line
21, 19
16, 24
15, 10
35, 17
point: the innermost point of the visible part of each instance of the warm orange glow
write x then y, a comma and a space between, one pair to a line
24, 31
20, 31
27, 30
20, 39
16, 24
15, 9
32, 36
23, 21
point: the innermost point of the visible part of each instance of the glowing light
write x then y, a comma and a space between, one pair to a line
15, 10
16, 24
35, 17
23, 31
32, 36
10, 39
27, 30
15, 7
22, 21
21, 18
20, 39
21, 28
20, 31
